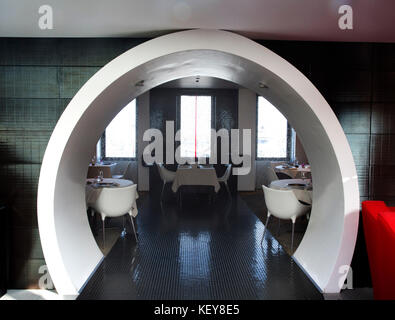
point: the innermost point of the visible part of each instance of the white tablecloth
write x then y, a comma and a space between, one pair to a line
92, 193
294, 172
195, 177
303, 193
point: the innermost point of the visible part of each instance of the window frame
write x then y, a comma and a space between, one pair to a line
178, 115
289, 139
103, 143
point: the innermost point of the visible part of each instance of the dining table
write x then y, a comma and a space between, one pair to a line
105, 168
294, 172
302, 188
93, 189
193, 175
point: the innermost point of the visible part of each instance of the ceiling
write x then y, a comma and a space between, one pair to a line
256, 19
200, 82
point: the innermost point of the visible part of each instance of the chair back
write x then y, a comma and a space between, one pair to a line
274, 164
119, 168
165, 175
226, 175
128, 173
115, 202
283, 204
269, 175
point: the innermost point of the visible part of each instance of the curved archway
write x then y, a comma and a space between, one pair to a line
69, 248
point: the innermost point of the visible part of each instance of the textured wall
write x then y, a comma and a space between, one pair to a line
38, 77
358, 81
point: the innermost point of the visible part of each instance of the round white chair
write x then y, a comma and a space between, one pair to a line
116, 202
122, 174
166, 176
269, 174
225, 177
283, 204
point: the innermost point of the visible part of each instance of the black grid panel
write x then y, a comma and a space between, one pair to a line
29, 82
30, 114
73, 78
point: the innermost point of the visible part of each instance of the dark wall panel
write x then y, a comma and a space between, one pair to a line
358, 81
28, 82
71, 79
383, 118
30, 114
30, 52
38, 77
354, 117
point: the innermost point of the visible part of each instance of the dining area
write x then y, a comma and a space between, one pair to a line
194, 178
109, 194
287, 191
144, 208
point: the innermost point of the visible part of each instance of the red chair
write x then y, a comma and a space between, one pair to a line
379, 229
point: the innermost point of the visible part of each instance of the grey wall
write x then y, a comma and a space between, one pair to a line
143, 123
247, 120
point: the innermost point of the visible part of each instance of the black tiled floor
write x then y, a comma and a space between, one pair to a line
200, 252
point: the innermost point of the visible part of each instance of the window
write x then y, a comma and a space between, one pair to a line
195, 125
272, 131
120, 134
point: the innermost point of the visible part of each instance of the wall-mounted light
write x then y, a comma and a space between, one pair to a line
140, 83
263, 85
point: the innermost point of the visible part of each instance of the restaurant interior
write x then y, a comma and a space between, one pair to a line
196, 165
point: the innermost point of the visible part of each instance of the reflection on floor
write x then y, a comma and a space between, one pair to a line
31, 294
282, 231
354, 294
200, 252
112, 235
256, 202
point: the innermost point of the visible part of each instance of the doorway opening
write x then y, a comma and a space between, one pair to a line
330, 238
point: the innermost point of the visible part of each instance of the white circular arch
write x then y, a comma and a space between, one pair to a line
69, 248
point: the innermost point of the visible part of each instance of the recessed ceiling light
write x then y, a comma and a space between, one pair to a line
263, 85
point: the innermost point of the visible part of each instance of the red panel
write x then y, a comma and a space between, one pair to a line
386, 228
377, 251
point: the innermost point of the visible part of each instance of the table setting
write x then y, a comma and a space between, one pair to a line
94, 186
302, 188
